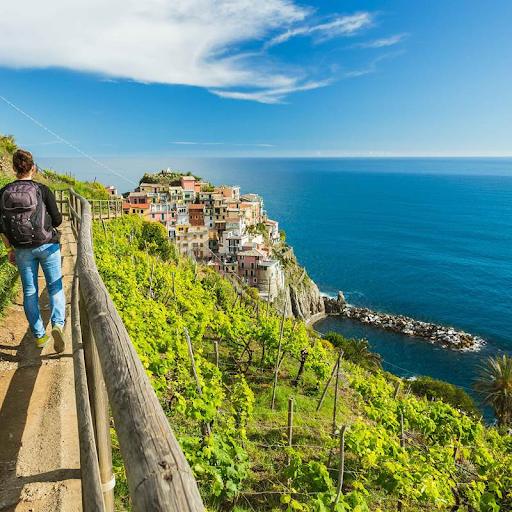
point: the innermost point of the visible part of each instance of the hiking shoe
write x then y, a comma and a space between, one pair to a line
41, 342
58, 339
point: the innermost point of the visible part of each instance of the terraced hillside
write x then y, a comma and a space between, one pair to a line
400, 451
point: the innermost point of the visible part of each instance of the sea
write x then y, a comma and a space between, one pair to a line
430, 238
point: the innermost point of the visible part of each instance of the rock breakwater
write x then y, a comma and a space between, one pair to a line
446, 336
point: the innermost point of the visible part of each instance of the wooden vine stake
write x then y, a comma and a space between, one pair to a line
402, 435
335, 407
173, 286
268, 296
290, 421
278, 358
341, 469
397, 389
334, 369
206, 426
151, 281
216, 353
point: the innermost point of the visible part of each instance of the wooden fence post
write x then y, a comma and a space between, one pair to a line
335, 367
341, 469
268, 295
402, 434
206, 426
92, 495
397, 389
278, 358
99, 406
290, 421
216, 353
335, 407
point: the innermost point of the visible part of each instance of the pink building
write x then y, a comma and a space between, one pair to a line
188, 183
248, 265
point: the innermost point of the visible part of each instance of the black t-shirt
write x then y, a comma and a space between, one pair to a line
51, 208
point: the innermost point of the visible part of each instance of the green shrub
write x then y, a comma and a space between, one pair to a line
155, 235
440, 390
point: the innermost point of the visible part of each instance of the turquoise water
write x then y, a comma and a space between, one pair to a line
429, 238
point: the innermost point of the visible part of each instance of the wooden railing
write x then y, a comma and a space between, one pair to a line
109, 372
106, 208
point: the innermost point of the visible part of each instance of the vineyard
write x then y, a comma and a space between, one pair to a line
267, 417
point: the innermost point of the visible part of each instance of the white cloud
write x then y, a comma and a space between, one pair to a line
382, 43
372, 66
153, 41
193, 143
342, 26
201, 43
271, 96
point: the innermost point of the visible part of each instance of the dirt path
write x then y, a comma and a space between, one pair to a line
39, 454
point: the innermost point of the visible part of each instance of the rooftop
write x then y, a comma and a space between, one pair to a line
252, 252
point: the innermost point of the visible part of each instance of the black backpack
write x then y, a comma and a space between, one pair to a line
24, 214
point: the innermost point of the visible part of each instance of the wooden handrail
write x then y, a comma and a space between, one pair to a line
158, 474
92, 495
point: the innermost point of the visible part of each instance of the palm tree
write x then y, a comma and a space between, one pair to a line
357, 351
362, 355
494, 385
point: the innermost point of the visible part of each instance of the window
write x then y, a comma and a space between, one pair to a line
152, 215
255, 280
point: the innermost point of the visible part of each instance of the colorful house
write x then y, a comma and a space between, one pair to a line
196, 214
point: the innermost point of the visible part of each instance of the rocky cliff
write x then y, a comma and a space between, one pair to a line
303, 298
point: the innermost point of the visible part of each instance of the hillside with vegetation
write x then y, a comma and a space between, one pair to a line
171, 178
50, 178
371, 442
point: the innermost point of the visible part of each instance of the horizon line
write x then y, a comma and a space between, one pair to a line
189, 155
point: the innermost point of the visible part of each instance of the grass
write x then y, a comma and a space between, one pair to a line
54, 181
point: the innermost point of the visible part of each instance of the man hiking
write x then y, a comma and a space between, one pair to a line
28, 220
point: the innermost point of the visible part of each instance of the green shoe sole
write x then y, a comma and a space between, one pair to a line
58, 339
41, 342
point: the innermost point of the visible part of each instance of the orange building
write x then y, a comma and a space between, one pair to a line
196, 214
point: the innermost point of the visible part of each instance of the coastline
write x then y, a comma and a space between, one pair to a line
312, 320
445, 336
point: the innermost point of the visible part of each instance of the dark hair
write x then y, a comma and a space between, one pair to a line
22, 162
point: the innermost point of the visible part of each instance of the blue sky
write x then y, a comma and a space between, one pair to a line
266, 78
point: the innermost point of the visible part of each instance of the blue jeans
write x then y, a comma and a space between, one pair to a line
28, 261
